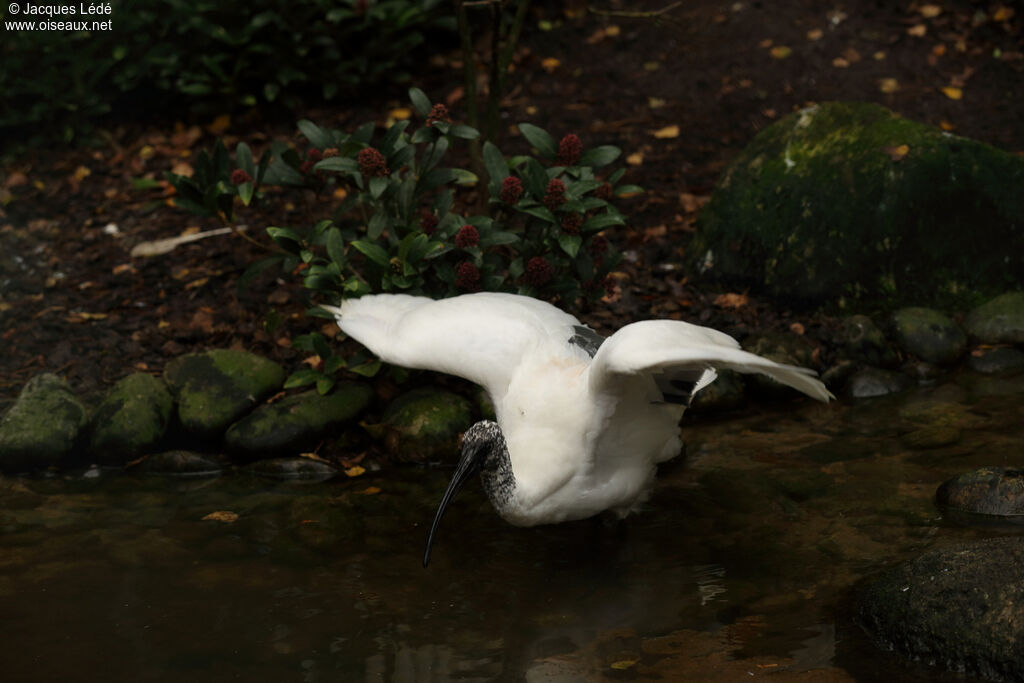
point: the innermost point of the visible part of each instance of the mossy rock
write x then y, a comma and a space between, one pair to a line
847, 202
131, 420
929, 335
43, 428
999, 321
296, 422
425, 424
995, 491
215, 388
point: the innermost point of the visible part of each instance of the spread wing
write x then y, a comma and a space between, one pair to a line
480, 337
682, 358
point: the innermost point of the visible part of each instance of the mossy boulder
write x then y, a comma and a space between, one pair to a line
424, 424
995, 491
847, 202
929, 335
43, 428
131, 420
999, 321
215, 388
296, 422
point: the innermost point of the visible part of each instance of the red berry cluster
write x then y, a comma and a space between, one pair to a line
511, 190
467, 237
438, 112
554, 196
569, 150
238, 176
467, 277
372, 163
538, 272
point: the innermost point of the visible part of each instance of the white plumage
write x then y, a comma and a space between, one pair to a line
581, 420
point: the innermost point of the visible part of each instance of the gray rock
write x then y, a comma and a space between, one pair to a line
934, 436
929, 335
863, 341
215, 388
960, 607
999, 321
424, 424
872, 382
297, 422
725, 393
986, 491
1000, 361
304, 469
179, 463
44, 426
131, 420
826, 206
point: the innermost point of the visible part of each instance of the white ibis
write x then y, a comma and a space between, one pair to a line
582, 420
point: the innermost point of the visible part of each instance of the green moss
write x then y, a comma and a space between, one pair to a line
824, 205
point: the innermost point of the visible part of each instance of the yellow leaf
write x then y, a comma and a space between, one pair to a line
549, 64
780, 52
879, 56
1002, 14
195, 284
929, 11
612, 31
897, 153
651, 66
918, 31
635, 159
219, 124
225, 516
888, 85
81, 172
146, 152
369, 491
953, 93
815, 34
731, 300
946, 126
400, 114
840, 63
655, 102
624, 664
666, 132
355, 471
340, 193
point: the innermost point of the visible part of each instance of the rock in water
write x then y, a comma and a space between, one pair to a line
296, 422
43, 427
215, 388
424, 424
843, 202
960, 607
999, 321
131, 420
929, 335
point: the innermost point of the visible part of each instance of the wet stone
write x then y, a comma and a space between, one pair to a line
44, 426
863, 341
872, 382
179, 463
931, 437
929, 335
986, 491
425, 423
999, 321
1001, 361
131, 420
961, 607
215, 388
304, 469
296, 422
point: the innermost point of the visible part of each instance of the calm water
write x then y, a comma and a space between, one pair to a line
740, 567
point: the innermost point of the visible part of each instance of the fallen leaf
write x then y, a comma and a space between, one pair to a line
635, 159
16, 178
815, 34
612, 31
879, 55
655, 102
939, 50
219, 124
946, 126
797, 328
888, 85
1002, 14
146, 152
652, 66
85, 317
953, 93
182, 168
929, 11
624, 664
123, 268
732, 300
369, 491
766, 43
339, 193
780, 52
692, 203
918, 31
400, 114
312, 456
549, 64
195, 284
897, 153
225, 516
666, 132
355, 471
840, 63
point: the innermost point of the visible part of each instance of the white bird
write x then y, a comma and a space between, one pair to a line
582, 421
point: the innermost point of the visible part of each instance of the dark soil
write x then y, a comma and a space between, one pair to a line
73, 301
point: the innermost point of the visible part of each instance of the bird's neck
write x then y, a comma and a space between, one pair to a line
496, 476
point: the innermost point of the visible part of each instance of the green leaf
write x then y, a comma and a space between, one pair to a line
463, 131
343, 165
497, 167
378, 222
570, 244
378, 185
539, 138
301, 378
367, 369
335, 245
420, 101
245, 192
498, 237
256, 268
286, 238
390, 140
333, 363
148, 183
436, 178
464, 178
628, 189
602, 221
316, 135
280, 173
324, 384
372, 251
599, 156
541, 212
243, 159
536, 178
317, 312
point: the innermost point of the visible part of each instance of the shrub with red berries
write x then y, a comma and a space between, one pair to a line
569, 150
428, 222
538, 272
238, 176
571, 223
372, 163
511, 190
467, 277
467, 237
554, 195
438, 112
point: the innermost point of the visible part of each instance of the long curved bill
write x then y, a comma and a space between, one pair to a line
469, 464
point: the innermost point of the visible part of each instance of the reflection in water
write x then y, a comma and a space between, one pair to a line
740, 565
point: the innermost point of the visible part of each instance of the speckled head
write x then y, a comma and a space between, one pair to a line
483, 451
